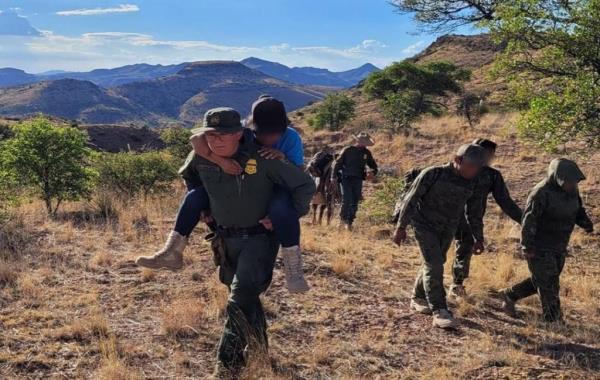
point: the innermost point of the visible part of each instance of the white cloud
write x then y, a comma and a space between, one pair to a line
88, 51
122, 8
414, 48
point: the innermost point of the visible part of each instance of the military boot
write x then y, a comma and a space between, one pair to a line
420, 306
508, 305
443, 319
292, 266
170, 257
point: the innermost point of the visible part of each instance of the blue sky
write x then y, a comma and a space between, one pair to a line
81, 35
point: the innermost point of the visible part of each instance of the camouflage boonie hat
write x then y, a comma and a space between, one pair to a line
221, 120
472, 153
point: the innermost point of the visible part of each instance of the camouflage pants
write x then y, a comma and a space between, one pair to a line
248, 273
351, 195
429, 284
545, 269
464, 252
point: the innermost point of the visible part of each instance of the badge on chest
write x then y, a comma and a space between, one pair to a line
251, 167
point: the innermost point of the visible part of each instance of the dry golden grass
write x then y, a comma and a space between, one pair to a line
74, 305
184, 318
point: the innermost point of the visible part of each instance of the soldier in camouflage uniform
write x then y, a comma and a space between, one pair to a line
433, 206
350, 171
239, 206
553, 209
489, 181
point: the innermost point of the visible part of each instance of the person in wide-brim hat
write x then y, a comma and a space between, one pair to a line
363, 139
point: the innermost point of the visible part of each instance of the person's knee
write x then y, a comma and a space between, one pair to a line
197, 198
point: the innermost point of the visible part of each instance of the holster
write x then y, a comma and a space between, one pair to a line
219, 250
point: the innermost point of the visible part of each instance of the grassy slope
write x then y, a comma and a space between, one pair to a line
74, 306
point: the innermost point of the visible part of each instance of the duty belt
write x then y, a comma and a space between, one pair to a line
228, 232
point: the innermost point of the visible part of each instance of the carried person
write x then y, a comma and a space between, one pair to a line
269, 128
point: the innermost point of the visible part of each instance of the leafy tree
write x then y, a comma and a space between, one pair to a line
407, 90
130, 174
553, 61
447, 15
51, 160
177, 140
335, 110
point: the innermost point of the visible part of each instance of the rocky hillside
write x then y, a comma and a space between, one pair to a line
70, 99
198, 87
475, 52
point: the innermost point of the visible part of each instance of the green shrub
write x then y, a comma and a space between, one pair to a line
335, 110
130, 174
50, 160
380, 205
177, 140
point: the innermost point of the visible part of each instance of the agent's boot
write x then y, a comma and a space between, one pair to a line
420, 306
508, 305
170, 257
457, 291
443, 319
292, 266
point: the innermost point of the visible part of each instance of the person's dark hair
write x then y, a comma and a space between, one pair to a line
486, 144
268, 116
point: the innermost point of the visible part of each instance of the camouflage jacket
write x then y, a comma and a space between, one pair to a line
352, 162
437, 200
241, 201
552, 213
489, 180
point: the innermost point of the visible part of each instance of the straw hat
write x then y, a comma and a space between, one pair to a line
363, 138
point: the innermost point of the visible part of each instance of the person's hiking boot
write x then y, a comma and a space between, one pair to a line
169, 257
420, 306
292, 267
508, 305
457, 291
443, 319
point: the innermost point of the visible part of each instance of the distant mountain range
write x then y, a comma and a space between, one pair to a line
154, 94
311, 75
308, 76
181, 96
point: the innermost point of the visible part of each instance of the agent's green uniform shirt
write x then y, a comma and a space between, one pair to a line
241, 201
352, 162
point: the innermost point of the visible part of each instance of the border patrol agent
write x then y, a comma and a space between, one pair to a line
246, 249
349, 171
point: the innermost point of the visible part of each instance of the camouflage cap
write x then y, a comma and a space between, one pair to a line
472, 153
222, 120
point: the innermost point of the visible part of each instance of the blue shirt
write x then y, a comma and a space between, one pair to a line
290, 144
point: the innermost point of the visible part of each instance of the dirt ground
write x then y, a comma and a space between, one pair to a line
73, 304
